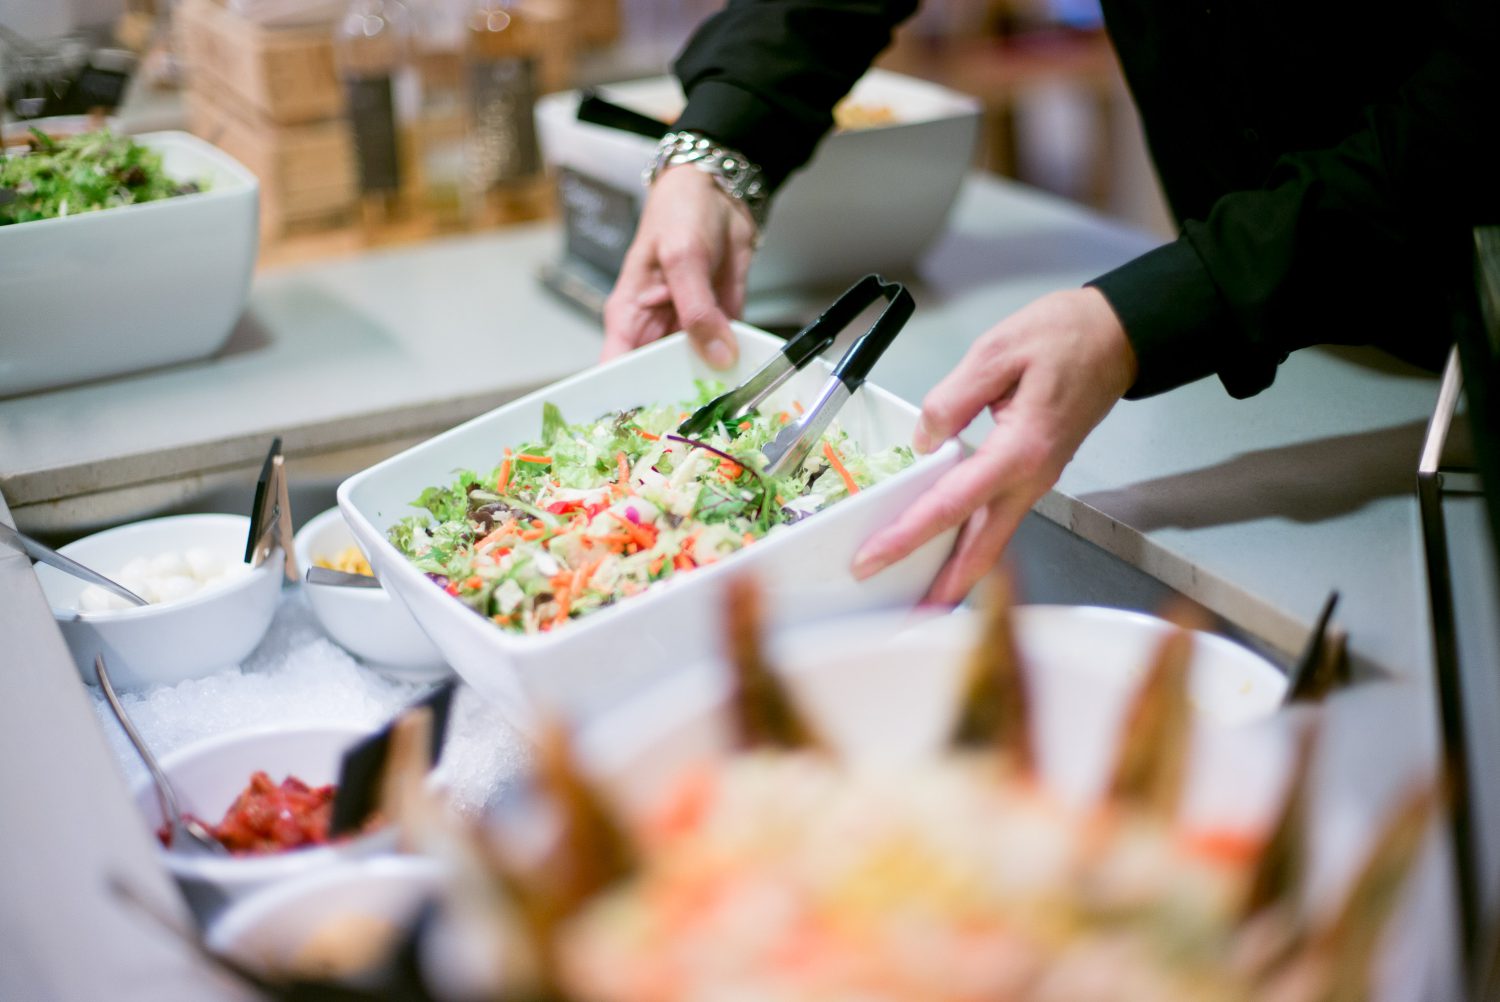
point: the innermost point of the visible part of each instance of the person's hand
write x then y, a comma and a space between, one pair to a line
685, 270
1048, 374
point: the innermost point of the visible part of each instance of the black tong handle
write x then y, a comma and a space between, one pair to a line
816, 337
357, 794
261, 507
596, 110
857, 362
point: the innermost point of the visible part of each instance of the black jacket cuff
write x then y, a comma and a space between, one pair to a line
1172, 315
741, 121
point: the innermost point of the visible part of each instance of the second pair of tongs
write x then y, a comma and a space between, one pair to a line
791, 446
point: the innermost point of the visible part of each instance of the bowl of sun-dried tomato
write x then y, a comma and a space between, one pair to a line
266, 794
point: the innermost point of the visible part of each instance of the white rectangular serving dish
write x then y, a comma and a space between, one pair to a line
871, 199
129, 288
591, 662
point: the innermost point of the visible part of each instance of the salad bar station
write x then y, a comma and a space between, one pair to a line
519, 676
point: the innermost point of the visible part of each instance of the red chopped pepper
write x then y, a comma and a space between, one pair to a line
267, 818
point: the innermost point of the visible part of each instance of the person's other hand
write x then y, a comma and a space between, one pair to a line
685, 269
1048, 374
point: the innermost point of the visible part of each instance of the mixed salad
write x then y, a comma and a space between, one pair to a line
591, 513
83, 173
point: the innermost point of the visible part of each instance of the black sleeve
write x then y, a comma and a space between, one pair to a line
762, 76
1334, 237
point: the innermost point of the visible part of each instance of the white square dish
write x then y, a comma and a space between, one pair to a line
871, 199
591, 662
133, 287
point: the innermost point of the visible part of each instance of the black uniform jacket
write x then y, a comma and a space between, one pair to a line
1326, 159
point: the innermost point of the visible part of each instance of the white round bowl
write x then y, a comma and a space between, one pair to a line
208, 775
883, 689
206, 632
369, 623
269, 930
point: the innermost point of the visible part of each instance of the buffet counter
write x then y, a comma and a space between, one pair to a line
1257, 509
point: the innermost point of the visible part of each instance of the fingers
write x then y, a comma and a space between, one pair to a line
980, 543
986, 376
687, 267
632, 312
1009, 461
734, 275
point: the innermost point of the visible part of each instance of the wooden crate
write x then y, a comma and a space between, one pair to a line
286, 74
598, 22
306, 171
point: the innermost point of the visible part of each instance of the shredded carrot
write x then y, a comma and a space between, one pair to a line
729, 469
527, 457
494, 537
643, 535
749, 538
623, 462
582, 575
744, 426
502, 620
504, 478
683, 562
797, 404
473, 582
647, 435
839, 468
531, 535
537, 523
657, 564
782, 417
1223, 845
616, 540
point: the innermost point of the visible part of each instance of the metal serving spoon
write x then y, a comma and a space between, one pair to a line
339, 579
47, 555
189, 835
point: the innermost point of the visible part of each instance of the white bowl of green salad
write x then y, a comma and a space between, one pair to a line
119, 253
566, 548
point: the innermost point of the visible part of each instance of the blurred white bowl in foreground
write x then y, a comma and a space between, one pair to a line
883, 691
324, 918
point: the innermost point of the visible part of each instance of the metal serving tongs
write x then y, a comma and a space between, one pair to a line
791, 446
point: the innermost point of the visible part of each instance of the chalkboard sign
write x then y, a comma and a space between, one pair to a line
372, 114
599, 219
502, 93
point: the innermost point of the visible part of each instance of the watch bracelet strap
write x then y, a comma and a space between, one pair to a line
735, 175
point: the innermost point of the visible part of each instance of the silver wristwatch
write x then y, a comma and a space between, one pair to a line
737, 177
